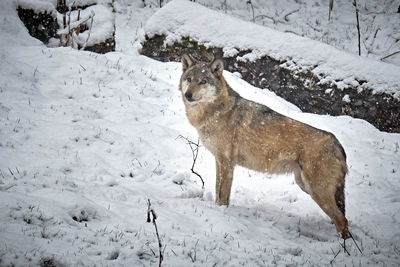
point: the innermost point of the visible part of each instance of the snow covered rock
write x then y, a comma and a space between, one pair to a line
312, 75
85, 24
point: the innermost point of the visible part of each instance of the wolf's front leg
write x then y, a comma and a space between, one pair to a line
223, 183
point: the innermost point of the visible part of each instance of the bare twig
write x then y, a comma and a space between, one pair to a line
140, 164
225, 6
12, 174
330, 8
370, 47
151, 217
252, 8
344, 247
289, 13
155, 169
359, 249
332, 260
70, 33
262, 16
194, 147
277, 17
90, 30
358, 27
193, 256
392, 54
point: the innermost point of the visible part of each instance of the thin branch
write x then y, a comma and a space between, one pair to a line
151, 217
194, 147
15, 178
336, 254
289, 13
359, 249
330, 8
90, 30
344, 247
278, 18
392, 54
194, 257
358, 27
155, 169
252, 8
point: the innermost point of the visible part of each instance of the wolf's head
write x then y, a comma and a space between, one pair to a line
201, 82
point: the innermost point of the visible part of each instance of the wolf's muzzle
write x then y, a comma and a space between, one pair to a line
189, 96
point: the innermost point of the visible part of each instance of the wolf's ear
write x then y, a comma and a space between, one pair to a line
187, 62
217, 66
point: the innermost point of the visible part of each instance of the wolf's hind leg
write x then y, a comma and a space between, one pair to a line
299, 180
325, 196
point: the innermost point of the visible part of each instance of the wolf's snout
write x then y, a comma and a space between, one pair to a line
189, 96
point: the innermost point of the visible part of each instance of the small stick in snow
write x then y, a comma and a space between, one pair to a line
392, 54
195, 152
194, 257
12, 173
336, 254
344, 247
286, 17
151, 217
359, 249
330, 9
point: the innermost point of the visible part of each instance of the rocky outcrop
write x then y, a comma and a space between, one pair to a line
300, 87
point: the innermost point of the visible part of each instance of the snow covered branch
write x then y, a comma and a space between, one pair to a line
72, 30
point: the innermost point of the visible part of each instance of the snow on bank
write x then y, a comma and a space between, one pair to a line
181, 18
85, 139
379, 22
101, 28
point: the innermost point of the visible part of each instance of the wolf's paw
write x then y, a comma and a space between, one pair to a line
222, 203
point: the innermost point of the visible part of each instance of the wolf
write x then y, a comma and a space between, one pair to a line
241, 132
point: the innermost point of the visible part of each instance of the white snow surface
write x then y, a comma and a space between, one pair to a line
38, 5
87, 139
181, 18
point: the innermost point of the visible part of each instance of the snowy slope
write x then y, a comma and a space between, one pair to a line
86, 139
181, 18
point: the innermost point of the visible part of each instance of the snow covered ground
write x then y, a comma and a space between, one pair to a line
87, 139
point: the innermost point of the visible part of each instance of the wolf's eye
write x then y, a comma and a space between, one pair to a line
189, 79
203, 82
